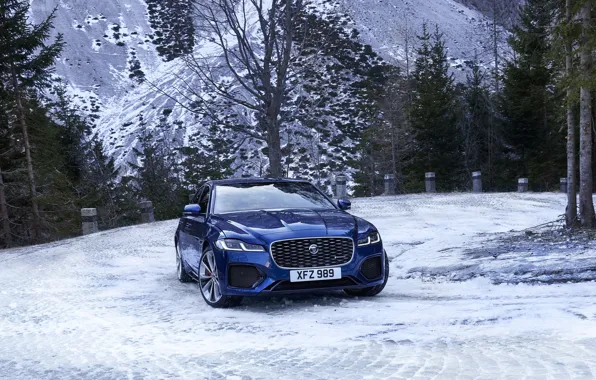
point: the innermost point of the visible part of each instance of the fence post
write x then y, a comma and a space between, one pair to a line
389, 184
147, 212
430, 182
564, 185
341, 187
522, 185
477, 182
89, 220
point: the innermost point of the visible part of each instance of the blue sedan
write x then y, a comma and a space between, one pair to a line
252, 237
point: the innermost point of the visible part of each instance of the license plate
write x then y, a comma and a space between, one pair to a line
315, 274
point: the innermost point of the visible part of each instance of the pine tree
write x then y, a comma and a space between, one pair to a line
528, 104
476, 121
432, 114
172, 23
156, 178
73, 131
341, 82
586, 185
25, 65
6, 150
207, 157
571, 211
565, 37
114, 198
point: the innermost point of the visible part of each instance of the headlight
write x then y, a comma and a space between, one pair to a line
373, 238
238, 245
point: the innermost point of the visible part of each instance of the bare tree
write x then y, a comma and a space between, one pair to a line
251, 50
586, 202
571, 212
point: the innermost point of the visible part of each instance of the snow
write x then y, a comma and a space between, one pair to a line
108, 306
95, 59
387, 24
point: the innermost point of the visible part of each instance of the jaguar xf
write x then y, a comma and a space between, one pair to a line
256, 237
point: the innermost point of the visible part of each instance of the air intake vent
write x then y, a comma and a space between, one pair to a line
243, 276
372, 268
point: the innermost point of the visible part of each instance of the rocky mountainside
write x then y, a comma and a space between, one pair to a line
122, 60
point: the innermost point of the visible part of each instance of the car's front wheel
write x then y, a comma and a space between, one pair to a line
209, 283
373, 290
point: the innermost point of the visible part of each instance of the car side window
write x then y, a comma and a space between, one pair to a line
204, 200
197, 196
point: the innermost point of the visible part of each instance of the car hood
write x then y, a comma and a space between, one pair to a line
280, 224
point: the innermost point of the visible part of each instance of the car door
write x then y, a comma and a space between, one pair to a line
187, 244
197, 229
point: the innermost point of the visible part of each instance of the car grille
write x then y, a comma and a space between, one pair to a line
297, 254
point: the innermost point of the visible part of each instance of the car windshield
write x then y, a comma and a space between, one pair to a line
268, 196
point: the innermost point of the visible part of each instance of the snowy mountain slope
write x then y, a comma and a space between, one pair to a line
109, 306
108, 41
387, 24
100, 38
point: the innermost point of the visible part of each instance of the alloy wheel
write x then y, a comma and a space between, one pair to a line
208, 278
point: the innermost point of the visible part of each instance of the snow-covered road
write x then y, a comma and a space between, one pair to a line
108, 306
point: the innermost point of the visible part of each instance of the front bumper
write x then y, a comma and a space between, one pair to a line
273, 280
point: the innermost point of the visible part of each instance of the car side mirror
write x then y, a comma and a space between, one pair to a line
344, 204
192, 210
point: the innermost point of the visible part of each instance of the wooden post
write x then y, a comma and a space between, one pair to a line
147, 212
431, 182
564, 185
522, 185
389, 184
341, 187
89, 220
477, 182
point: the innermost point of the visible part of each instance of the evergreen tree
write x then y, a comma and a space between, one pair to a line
340, 82
386, 144
74, 129
207, 157
587, 215
529, 107
156, 178
433, 117
476, 120
114, 197
173, 28
26, 62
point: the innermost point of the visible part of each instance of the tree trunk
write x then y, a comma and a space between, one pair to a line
496, 47
571, 212
36, 232
586, 202
4, 214
274, 145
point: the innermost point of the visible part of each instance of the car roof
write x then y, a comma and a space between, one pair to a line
236, 181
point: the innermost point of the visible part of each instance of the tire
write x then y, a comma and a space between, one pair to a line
209, 284
181, 273
373, 290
